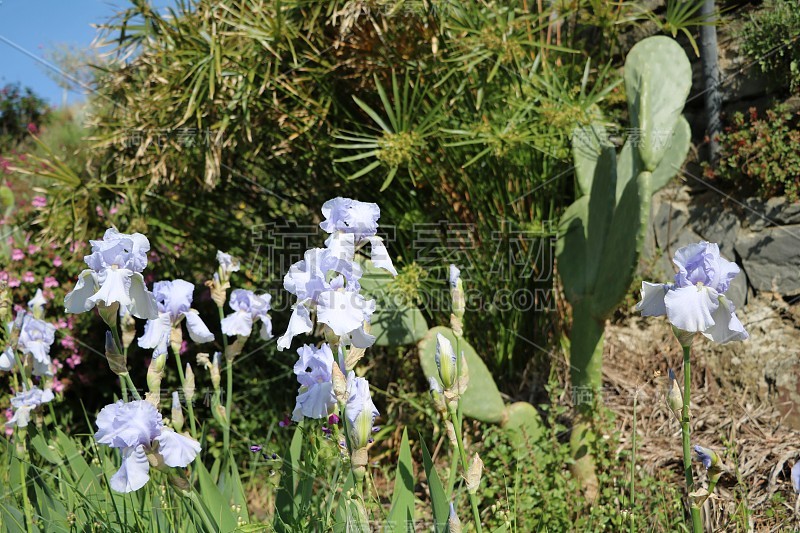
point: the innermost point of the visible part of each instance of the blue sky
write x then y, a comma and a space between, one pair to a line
36, 25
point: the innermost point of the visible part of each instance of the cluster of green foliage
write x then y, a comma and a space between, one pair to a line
21, 111
772, 38
65, 481
217, 119
536, 491
761, 155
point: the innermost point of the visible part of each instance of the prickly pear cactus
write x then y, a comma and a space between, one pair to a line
601, 233
658, 77
392, 324
522, 423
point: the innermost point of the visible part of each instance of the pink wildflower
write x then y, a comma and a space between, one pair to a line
17, 254
39, 201
57, 261
68, 343
50, 282
28, 277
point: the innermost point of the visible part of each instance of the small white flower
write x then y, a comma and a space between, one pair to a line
227, 265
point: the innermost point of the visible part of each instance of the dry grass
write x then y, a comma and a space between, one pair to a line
752, 438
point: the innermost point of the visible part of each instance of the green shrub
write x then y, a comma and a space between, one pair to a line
761, 155
21, 111
772, 38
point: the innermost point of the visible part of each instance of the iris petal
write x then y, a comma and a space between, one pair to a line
691, 308
652, 303
134, 473
299, 322
176, 449
198, 330
727, 326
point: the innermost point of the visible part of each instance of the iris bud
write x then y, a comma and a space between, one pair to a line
446, 361
675, 397
116, 360
474, 474
188, 383
214, 370
453, 523
177, 412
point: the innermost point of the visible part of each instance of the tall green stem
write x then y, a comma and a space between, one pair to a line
451, 479
132, 387
22, 456
633, 464
473, 501
697, 525
226, 430
189, 407
125, 381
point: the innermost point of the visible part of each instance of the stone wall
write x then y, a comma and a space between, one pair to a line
763, 238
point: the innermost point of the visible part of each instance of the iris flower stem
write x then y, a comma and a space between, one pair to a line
123, 384
226, 434
451, 481
633, 464
132, 387
126, 377
465, 466
189, 406
26, 382
22, 456
697, 525
226, 431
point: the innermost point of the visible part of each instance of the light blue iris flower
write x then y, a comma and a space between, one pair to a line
114, 276
313, 369
328, 285
174, 302
359, 410
353, 224
25, 402
696, 302
248, 307
136, 428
